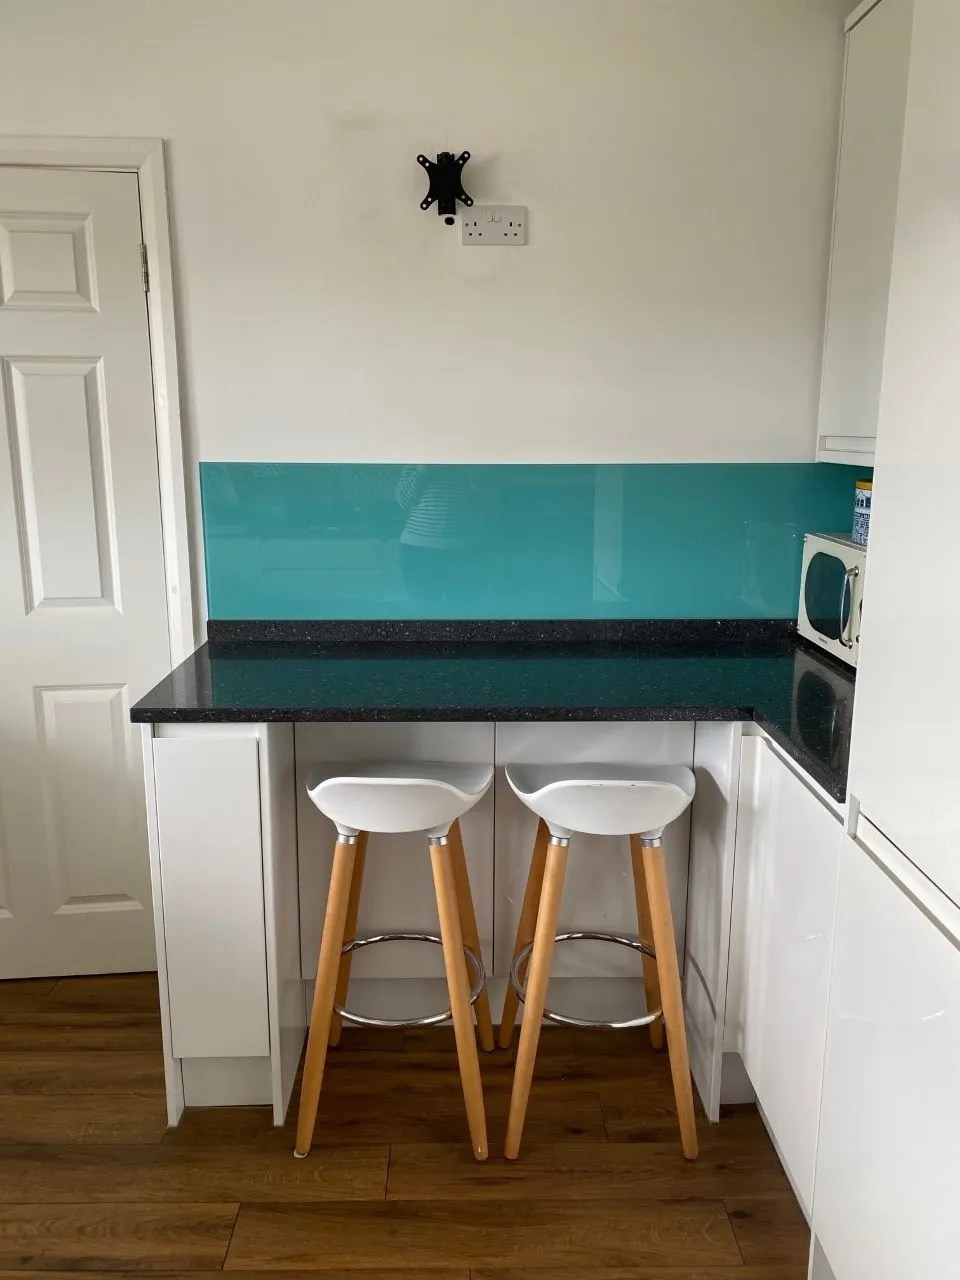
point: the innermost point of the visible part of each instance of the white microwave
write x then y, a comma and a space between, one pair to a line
831, 594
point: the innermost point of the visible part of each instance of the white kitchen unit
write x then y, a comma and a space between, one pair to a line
887, 1183
222, 828
240, 886
865, 211
905, 757
785, 888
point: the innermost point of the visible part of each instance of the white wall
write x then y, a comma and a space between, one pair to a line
677, 157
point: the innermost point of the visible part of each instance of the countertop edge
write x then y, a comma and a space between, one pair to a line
834, 785
339, 715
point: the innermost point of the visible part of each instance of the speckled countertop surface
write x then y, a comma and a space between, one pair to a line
802, 699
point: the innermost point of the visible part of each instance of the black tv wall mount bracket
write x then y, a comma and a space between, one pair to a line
446, 183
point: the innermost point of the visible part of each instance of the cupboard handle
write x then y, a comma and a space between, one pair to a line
848, 580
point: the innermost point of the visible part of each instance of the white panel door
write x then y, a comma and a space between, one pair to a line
888, 1184
83, 624
905, 755
874, 98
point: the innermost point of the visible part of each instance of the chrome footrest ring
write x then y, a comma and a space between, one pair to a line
563, 1019
433, 1019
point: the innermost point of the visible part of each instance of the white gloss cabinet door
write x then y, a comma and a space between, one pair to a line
865, 211
211, 880
787, 867
888, 1178
905, 755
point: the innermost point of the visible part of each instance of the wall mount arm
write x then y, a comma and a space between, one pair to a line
446, 183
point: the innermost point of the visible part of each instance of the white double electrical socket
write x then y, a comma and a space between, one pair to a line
494, 224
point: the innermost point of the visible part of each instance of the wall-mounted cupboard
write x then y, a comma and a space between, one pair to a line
865, 210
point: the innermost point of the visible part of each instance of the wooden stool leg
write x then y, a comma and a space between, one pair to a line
651, 979
525, 929
469, 932
536, 997
333, 924
665, 944
349, 933
445, 888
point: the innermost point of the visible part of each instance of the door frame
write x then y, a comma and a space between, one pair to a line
145, 158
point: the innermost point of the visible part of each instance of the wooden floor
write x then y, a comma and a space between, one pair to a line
91, 1180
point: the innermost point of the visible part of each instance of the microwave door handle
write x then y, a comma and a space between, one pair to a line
848, 580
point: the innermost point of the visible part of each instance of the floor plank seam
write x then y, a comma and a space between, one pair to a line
236, 1219
603, 1116
733, 1232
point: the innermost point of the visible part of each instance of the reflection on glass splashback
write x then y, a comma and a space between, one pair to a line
337, 540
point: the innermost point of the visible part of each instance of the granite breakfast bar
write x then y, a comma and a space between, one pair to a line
240, 861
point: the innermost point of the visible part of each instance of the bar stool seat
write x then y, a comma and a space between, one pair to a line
638, 802
604, 799
413, 796
392, 798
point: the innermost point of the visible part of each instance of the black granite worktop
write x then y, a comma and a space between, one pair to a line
665, 671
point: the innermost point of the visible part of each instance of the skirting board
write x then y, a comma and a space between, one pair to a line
735, 1086
786, 1169
820, 1268
226, 1082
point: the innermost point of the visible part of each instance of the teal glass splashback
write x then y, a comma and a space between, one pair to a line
336, 540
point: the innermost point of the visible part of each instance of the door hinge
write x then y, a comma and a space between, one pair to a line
145, 266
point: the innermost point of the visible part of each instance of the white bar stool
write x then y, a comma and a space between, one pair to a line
608, 800
394, 798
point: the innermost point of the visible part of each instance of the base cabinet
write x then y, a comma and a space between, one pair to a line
785, 889
221, 819
888, 1186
